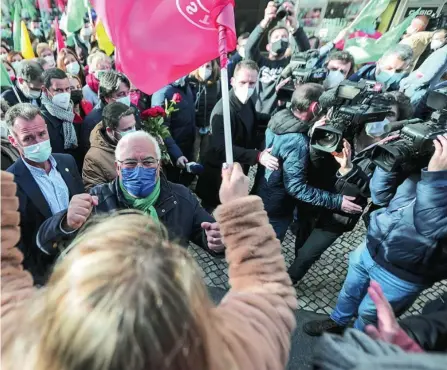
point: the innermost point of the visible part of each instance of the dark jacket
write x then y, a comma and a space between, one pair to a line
56, 133
368, 72
11, 98
92, 119
408, 237
245, 122
269, 70
9, 154
287, 135
181, 123
99, 163
177, 208
34, 210
206, 95
232, 62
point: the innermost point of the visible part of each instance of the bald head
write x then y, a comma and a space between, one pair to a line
137, 145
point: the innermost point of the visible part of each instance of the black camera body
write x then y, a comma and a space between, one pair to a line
414, 147
301, 70
358, 104
281, 11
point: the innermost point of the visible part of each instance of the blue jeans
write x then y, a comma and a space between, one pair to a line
280, 225
354, 300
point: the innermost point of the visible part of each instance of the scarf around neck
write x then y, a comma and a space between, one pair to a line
67, 117
92, 82
145, 205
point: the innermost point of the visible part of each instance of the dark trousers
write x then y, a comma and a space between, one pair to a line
312, 249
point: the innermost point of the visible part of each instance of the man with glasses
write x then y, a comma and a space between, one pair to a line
113, 87
118, 120
29, 85
140, 186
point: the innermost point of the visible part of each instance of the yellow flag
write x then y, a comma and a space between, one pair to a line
25, 43
104, 42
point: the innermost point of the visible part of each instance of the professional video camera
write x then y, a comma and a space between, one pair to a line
355, 105
281, 11
301, 69
414, 147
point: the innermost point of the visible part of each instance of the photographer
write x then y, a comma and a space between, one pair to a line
405, 250
389, 70
287, 136
278, 42
352, 178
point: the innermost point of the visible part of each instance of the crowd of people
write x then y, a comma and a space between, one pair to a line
100, 210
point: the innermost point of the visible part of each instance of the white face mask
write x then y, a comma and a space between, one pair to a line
73, 68
62, 100
50, 60
204, 73
333, 79
244, 93
16, 65
86, 32
30, 94
436, 44
376, 129
3, 56
125, 100
241, 51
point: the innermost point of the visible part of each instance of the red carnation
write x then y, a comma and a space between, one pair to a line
153, 112
176, 98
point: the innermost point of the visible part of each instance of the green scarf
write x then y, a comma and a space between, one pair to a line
145, 205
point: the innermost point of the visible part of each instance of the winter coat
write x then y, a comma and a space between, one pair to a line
408, 236
99, 163
280, 189
206, 95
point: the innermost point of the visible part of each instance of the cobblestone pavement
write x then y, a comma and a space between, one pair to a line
318, 290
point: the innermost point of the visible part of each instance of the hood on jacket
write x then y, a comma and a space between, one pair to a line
284, 122
98, 140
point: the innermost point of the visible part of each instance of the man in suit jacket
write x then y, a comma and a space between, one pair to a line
45, 184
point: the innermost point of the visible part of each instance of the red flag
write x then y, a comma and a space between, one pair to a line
60, 44
159, 41
61, 4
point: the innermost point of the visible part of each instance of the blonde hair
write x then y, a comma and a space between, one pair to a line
215, 74
124, 297
41, 46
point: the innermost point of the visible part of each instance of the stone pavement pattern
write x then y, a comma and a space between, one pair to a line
318, 290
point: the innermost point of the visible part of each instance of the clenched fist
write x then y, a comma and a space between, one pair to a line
79, 210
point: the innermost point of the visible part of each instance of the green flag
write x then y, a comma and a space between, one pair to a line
17, 27
76, 10
4, 77
366, 19
366, 50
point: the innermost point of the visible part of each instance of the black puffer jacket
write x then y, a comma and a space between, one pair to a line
177, 209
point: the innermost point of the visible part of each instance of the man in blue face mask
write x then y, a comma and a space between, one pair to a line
45, 184
141, 186
389, 70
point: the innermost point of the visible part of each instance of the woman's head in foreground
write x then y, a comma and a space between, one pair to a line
122, 298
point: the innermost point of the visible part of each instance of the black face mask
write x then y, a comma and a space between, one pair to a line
279, 47
76, 96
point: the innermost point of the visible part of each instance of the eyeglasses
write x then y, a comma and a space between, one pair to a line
146, 163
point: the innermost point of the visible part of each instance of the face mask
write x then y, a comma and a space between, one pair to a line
244, 93
30, 94
62, 100
50, 60
4, 132
436, 44
124, 133
37, 32
124, 100
76, 96
241, 52
73, 68
204, 73
86, 32
16, 65
139, 182
99, 73
333, 79
279, 47
3, 56
38, 153
376, 129
6, 33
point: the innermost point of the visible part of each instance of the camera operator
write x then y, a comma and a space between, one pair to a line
278, 42
405, 249
340, 66
389, 70
321, 228
287, 136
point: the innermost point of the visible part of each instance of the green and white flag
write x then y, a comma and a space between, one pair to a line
76, 10
17, 27
366, 50
5, 80
368, 15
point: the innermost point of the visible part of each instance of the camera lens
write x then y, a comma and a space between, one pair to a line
329, 139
